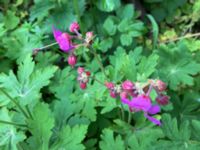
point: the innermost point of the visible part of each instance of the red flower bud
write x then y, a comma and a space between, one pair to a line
88, 73
113, 94
162, 99
74, 27
72, 60
83, 85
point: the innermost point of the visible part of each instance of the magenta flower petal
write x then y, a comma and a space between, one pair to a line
126, 101
141, 103
154, 109
56, 33
63, 40
153, 120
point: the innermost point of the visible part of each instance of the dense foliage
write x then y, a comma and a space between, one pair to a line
46, 105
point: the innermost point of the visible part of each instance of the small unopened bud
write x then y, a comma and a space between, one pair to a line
74, 27
123, 95
89, 37
80, 70
161, 85
162, 99
113, 94
109, 85
83, 85
127, 85
72, 60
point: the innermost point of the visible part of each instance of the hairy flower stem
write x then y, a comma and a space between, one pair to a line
44, 47
129, 117
149, 91
122, 111
99, 62
12, 123
15, 102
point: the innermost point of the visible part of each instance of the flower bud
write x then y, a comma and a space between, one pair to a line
89, 37
161, 85
123, 95
72, 60
74, 27
83, 85
127, 85
162, 99
113, 94
88, 73
80, 70
109, 85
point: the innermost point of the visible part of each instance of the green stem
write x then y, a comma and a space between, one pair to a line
12, 123
97, 80
99, 62
129, 117
15, 102
122, 111
75, 3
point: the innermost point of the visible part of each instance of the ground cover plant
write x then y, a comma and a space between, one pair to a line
107, 74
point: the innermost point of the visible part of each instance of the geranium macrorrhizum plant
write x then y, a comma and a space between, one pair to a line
135, 95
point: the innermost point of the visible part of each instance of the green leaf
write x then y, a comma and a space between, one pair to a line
62, 111
196, 129
20, 43
70, 138
175, 70
124, 25
147, 66
41, 125
106, 44
40, 10
27, 83
126, 12
108, 140
155, 30
126, 39
108, 5
109, 26
63, 83
9, 136
171, 130
11, 21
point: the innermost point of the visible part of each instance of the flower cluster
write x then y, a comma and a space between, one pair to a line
66, 44
135, 95
83, 77
138, 99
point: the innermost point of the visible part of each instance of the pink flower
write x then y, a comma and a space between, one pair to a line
143, 103
74, 27
63, 40
127, 85
72, 60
